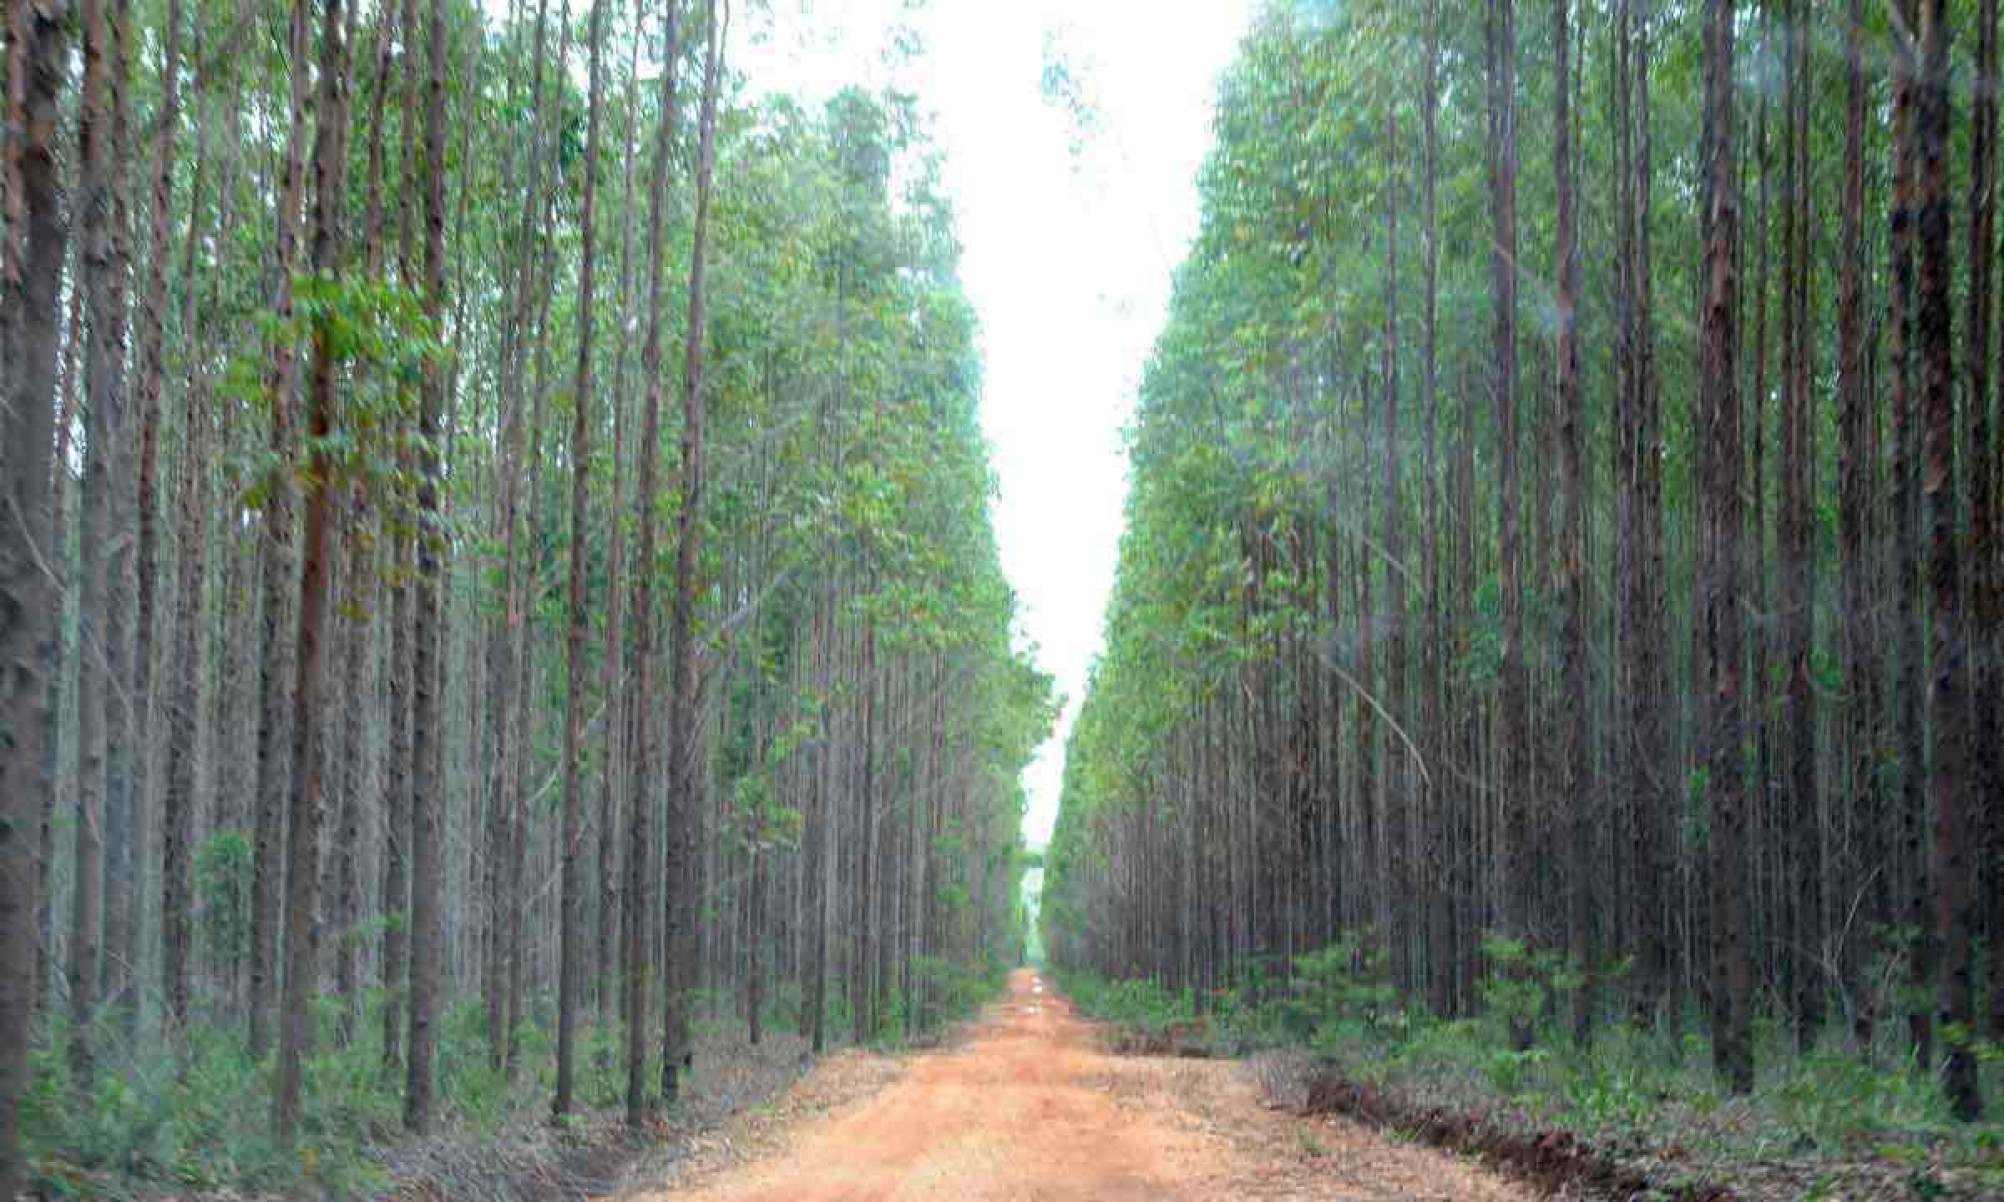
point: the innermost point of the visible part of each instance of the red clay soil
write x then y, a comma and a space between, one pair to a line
1030, 1107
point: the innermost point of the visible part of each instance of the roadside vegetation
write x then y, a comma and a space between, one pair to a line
1335, 1037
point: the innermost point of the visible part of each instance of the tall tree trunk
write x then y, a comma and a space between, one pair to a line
639, 836
1801, 818
355, 691
152, 318
55, 667
1437, 921
613, 660
507, 642
1948, 687
1904, 553
680, 908
426, 807
31, 275
1719, 420
124, 832
570, 973
1866, 904
101, 262
1640, 497
302, 924
177, 826
1510, 783
1397, 788
400, 769
820, 816
1986, 584
278, 569
1577, 765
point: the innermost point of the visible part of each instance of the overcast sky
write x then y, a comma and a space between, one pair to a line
1072, 218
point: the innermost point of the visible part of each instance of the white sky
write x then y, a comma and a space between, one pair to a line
1069, 244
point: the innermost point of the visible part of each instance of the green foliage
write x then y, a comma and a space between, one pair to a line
1522, 981
223, 879
1633, 1087
955, 990
1340, 991
1136, 1002
194, 1114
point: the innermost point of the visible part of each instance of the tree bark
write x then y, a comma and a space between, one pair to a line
1985, 618
427, 808
31, 275
1802, 808
1867, 900
1719, 419
572, 935
278, 569
101, 264
152, 317
1576, 766
1515, 834
639, 835
683, 812
185, 679
1948, 687
302, 921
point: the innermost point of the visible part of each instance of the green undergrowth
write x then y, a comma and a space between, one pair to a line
192, 1112
1634, 1089
170, 1116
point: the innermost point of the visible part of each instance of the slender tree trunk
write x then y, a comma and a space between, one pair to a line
1802, 816
152, 317
278, 579
820, 870
1639, 470
1511, 780
302, 927
507, 643
400, 769
355, 690
639, 836
185, 678
426, 808
31, 275
1948, 686
613, 682
1865, 906
100, 263
1719, 419
1398, 785
1904, 554
1438, 918
1985, 620
570, 973
124, 831
683, 763
1577, 766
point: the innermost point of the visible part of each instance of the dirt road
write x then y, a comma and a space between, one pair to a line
1030, 1107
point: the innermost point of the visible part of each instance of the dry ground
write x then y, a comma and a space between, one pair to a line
1030, 1107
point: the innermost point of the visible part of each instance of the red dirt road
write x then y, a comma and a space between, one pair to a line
1030, 1107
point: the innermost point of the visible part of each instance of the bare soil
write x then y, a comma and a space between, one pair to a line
1031, 1106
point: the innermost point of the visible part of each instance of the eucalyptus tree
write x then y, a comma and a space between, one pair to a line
352, 435
1711, 822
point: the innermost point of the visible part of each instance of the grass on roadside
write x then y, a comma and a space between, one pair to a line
1635, 1090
